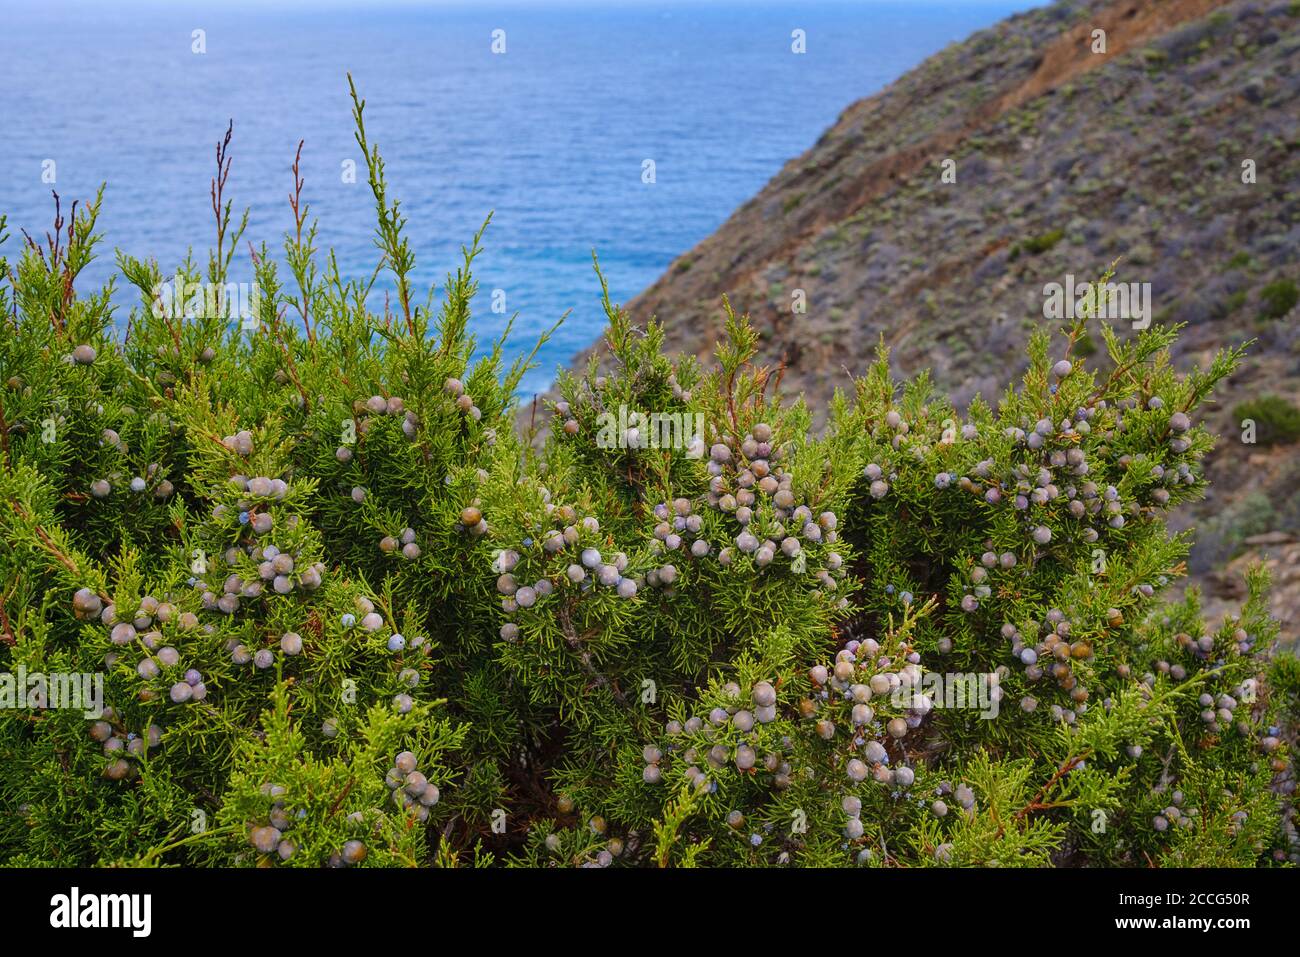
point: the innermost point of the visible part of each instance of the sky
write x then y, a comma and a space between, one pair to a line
44, 6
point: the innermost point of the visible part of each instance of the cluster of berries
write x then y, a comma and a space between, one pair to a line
472, 521
677, 525
403, 702
565, 412
241, 443
270, 838
1057, 472
880, 478
404, 540
976, 587
102, 488
412, 791
378, 405
464, 402
1062, 454
1284, 784
736, 721
748, 483
370, 621
1174, 816
613, 848
281, 570
290, 644
254, 509
120, 744
365, 411
1219, 713
870, 696
635, 435
396, 643
962, 795
278, 569
1051, 652
86, 605
566, 535
143, 632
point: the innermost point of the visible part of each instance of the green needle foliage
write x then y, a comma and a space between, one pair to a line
345, 615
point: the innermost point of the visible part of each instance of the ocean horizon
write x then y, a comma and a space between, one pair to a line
551, 137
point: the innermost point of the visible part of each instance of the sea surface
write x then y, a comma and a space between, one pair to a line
551, 136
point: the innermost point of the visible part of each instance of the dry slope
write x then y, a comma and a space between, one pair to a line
1066, 159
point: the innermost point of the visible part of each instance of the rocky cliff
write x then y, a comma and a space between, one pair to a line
1175, 150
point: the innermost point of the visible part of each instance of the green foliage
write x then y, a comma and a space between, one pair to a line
1036, 244
344, 615
1278, 298
1276, 420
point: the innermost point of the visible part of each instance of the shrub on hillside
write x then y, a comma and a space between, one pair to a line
1276, 420
344, 616
1278, 298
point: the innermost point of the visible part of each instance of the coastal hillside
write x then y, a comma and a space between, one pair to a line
1174, 154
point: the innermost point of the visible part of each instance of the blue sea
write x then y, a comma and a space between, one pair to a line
551, 136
